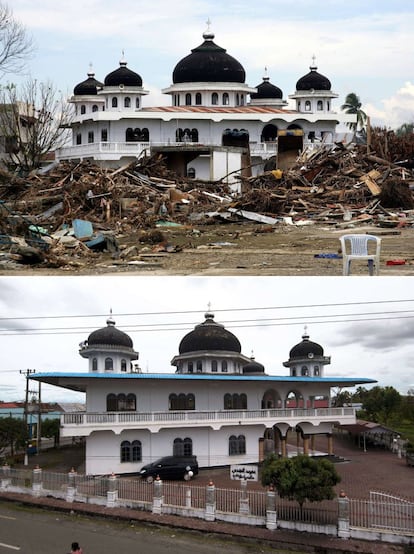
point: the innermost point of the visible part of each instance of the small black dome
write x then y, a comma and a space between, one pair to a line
209, 335
313, 81
209, 63
306, 347
253, 367
266, 90
109, 335
88, 87
123, 76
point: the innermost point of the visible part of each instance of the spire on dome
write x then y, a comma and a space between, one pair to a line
91, 72
208, 34
305, 335
313, 66
209, 314
122, 61
110, 321
266, 75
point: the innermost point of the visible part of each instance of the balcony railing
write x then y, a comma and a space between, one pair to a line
93, 420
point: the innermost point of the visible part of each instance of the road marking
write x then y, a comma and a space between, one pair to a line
10, 546
7, 517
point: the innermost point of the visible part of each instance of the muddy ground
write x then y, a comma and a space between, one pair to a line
231, 249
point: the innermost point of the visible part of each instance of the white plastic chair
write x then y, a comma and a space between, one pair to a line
361, 247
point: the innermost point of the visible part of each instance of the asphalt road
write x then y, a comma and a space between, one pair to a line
32, 531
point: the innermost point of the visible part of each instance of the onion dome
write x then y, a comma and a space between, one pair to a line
123, 76
208, 63
313, 81
109, 336
88, 87
266, 90
306, 349
253, 367
209, 335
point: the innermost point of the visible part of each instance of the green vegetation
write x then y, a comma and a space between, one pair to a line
301, 478
353, 105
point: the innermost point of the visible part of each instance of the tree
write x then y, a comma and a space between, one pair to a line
353, 106
51, 429
34, 118
15, 44
301, 478
380, 403
13, 434
405, 129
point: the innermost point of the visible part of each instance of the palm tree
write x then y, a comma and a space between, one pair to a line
405, 129
353, 105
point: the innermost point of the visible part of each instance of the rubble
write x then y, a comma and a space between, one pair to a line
77, 210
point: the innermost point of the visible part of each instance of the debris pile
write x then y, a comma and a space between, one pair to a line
84, 209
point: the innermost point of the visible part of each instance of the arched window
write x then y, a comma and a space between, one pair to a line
199, 366
145, 134
181, 401
304, 371
191, 173
94, 108
320, 105
243, 401
183, 447
293, 371
237, 445
131, 452
114, 102
228, 404
307, 106
127, 102
173, 402
91, 137
129, 135
316, 370
214, 365
123, 365
237, 99
94, 364
198, 99
131, 403
188, 99
104, 135
190, 402
137, 102
224, 366
214, 99
122, 402
79, 138
235, 401
194, 135
83, 109
225, 99
190, 367
242, 99
111, 403
109, 364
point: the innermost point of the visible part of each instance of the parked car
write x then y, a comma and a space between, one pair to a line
171, 467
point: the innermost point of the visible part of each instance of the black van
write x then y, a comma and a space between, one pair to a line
170, 467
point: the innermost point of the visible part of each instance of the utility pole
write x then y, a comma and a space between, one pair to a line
27, 373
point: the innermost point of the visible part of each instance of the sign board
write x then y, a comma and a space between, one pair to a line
244, 473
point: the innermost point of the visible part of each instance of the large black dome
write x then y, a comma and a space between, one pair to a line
266, 90
123, 76
209, 335
208, 63
109, 335
313, 81
304, 348
253, 367
88, 87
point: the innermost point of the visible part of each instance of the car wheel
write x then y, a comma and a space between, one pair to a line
150, 479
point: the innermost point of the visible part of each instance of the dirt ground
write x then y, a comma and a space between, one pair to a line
232, 249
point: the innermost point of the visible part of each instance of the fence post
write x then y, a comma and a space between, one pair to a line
5, 477
157, 500
71, 490
271, 514
244, 499
37, 481
210, 513
188, 497
112, 492
343, 516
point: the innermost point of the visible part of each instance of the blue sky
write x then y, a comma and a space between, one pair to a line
362, 47
377, 343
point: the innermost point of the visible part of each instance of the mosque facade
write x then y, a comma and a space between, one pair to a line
217, 126
219, 405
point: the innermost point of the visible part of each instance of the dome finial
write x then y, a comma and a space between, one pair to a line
313, 67
91, 72
110, 321
122, 61
209, 314
266, 75
208, 34
305, 335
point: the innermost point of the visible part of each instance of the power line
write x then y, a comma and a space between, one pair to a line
175, 312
